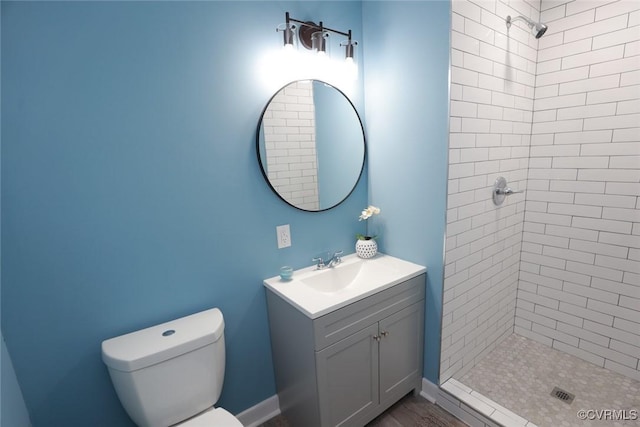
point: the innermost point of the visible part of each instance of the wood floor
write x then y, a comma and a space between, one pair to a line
410, 411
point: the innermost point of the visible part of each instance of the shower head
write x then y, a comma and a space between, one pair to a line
537, 28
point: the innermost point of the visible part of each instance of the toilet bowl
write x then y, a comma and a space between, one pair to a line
171, 374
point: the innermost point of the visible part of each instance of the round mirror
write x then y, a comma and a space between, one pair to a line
311, 145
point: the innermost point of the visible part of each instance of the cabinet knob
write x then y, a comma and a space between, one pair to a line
376, 337
384, 333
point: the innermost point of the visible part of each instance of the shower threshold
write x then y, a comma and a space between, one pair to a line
484, 406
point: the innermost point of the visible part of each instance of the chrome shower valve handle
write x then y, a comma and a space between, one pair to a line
508, 191
501, 191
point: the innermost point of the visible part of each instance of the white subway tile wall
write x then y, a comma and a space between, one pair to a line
492, 98
290, 145
579, 290
559, 117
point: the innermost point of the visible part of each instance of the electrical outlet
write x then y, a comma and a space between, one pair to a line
284, 236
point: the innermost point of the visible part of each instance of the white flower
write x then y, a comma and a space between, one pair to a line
368, 212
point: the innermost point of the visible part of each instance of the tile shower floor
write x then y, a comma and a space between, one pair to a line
520, 374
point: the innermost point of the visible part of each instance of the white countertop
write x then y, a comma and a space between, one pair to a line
373, 275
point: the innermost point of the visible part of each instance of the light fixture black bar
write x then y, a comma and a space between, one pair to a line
317, 27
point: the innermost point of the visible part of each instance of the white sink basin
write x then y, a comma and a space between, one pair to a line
318, 292
334, 279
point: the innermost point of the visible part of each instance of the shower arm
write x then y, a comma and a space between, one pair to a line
529, 22
537, 28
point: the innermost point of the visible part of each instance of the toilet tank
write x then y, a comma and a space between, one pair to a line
169, 372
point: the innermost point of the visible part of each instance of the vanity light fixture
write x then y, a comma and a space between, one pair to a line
314, 36
319, 40
349, 45
287, 30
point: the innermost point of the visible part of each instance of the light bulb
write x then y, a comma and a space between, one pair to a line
350, 68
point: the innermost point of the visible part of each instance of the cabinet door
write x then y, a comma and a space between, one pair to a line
401, 353
348, 379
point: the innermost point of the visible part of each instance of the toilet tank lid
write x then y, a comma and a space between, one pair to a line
156, 344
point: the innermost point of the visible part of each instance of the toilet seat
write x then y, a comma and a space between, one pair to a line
214, 417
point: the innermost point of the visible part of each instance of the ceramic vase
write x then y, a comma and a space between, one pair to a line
366, 248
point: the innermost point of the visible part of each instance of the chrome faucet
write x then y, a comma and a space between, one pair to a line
335, 260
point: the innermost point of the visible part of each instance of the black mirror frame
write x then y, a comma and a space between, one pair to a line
263, 168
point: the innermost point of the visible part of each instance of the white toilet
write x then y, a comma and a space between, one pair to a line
172, 374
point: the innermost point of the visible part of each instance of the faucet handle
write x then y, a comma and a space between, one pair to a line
320, 263
508, 191
336, 259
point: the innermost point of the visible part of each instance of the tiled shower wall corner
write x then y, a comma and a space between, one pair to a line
579, 288
492, 90
290, 145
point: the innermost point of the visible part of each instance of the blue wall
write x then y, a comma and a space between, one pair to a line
406, 56
14, 412
131, 192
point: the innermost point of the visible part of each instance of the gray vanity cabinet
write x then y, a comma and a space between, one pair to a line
348, 366
348, 378
401, 353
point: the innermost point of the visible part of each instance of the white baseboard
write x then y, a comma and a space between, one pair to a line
260, 413
270, 407
429, 390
